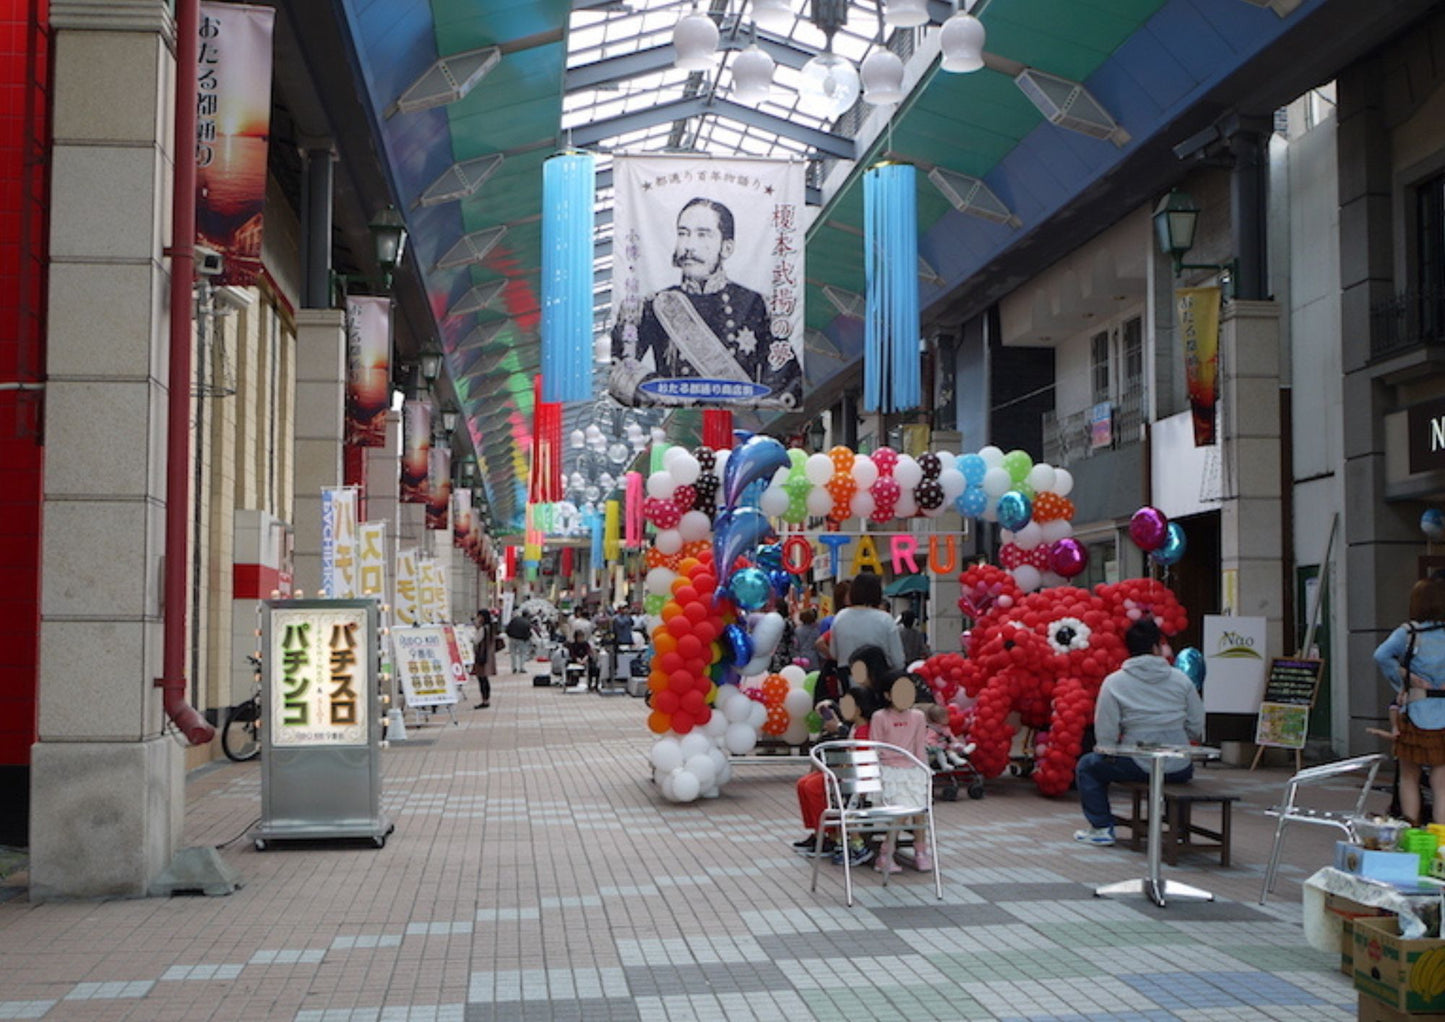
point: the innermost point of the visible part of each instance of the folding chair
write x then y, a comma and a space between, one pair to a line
853, 780
1290, 811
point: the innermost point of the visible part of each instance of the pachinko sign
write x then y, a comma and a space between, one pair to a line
320, 674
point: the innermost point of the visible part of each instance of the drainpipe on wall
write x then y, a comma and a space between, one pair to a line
172, 681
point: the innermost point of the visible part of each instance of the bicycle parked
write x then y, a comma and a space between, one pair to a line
241, 733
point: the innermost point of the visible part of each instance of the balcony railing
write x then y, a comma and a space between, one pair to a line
1406, 321
1071, 438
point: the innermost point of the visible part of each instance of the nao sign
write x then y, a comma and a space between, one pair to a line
1426, 425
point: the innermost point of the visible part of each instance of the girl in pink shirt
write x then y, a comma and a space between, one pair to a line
902, 724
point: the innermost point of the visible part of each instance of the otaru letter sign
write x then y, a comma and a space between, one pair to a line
1426, 425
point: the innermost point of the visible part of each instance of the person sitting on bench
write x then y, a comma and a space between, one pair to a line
579, 651
1144, 702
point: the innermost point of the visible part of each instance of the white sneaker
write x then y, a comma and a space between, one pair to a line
1100, 836
968, 748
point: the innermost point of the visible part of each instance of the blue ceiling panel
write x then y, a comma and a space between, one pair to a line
1141, 82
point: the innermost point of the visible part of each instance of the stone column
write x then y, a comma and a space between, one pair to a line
1251, 533
320, 430
107, 786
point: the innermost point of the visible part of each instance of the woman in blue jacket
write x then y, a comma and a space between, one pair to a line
1412, 660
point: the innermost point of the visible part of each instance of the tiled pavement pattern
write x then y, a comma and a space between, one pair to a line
536, 874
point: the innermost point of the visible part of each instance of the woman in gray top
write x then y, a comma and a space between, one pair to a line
864, 623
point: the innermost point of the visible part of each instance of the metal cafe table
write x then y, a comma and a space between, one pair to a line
1153, 885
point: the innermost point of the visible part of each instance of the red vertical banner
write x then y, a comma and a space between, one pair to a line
438, 487
566, 567
546, 482
717, 429
368, 370
233, 129
510, 562
415, 450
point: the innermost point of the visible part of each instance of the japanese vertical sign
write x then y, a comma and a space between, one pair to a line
368, 370
438, 487
408, 610
371, 559
338, 543
233, 127
424, 665
320, 676
415, 450
707, 282
1198, 313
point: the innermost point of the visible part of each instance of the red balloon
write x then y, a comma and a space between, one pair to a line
691, 702
679, 681
680, 626
689, 646
669, 662
703, 715
682, 722
666, 702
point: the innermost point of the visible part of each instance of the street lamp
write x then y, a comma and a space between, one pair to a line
388, 239
817, 434
430, 363
1176, 220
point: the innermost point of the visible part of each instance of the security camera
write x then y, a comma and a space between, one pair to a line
209, 262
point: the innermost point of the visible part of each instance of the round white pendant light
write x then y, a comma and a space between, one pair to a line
752, 75
906, 13
773, 15
882, 76
960, 42
694, 37
828, 85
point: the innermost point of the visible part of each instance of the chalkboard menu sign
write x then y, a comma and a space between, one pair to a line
1293, 682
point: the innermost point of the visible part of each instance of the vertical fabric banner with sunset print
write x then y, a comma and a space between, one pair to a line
415, 450
1198, 311
368, 370
233, 128
438, 487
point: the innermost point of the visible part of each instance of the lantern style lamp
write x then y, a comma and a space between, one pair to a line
695, 38
1175, 220
829, 84
960, 43
430, 363
388, 236
882, 77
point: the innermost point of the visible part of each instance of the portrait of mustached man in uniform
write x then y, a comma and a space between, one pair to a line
706, 326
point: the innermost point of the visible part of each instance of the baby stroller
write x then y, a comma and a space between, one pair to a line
958, 773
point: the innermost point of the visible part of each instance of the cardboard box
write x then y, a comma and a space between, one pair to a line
1391, 867
1372, 1010
1349, 910
1407, 975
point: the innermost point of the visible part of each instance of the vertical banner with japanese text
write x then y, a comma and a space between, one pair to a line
1198, 314
415, 450
406, 605
338, 543
320, 678
707, 281
368, 370
233, 128
371, 559
438, 487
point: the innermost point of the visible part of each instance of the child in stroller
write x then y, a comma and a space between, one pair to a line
949, 755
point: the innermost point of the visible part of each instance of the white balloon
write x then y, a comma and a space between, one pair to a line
991, 455
774, 501
1027, 577
726, 773
819, 502
757, 714
659, 581
1056, 530
1030, 536
862, 504
798, 703
1049, 579
766, 632
935, 512
703, 769
694, 526
947, 459
665, 784
668, 541
712, 792
865, 472
1063, 481
1006, 535
666, 755
1041, 477
661, 485
741, 738
908, 472
737, 711
693, 744
818, 469
685, 786
757, 667
720, 461
906, 506
684, 467
794, 675
782, 475
953, 483
716, 727
797, 732
997, 482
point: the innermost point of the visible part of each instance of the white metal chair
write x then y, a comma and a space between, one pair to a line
1290, 811
853, 780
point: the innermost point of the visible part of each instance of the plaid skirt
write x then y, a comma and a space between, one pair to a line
1419, 745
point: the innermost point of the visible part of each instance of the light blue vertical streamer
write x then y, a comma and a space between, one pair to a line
568, 198
594, 524
891, 374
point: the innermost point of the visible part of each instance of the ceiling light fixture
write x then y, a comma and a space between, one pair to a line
752, 75
773, 15
695, 38
960, 42
906, 13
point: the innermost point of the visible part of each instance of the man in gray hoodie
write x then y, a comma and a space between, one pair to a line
1144, 702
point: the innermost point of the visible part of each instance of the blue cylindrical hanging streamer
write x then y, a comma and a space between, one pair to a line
891, 373
568, 195
593, 523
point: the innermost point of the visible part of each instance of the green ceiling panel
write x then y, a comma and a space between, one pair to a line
1064, 37
468, 24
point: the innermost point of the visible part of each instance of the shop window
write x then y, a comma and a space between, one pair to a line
1099, 363
1133, 353
1430, 257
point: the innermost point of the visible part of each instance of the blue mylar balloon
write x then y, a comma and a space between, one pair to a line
757, 458
1172, 548
738, 645
973, 468
1014, 510
736, 532
750, 588
780, 580
770, 556
972, 501
1191, 662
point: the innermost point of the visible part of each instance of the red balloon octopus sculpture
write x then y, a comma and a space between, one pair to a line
1045, 655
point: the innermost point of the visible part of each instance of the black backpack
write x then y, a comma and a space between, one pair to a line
517, 628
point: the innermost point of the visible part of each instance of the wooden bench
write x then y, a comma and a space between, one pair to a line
1180, 828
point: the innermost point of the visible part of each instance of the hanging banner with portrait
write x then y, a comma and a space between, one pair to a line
707, 282
368, 370
415, 450
1198, 312
233, 129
